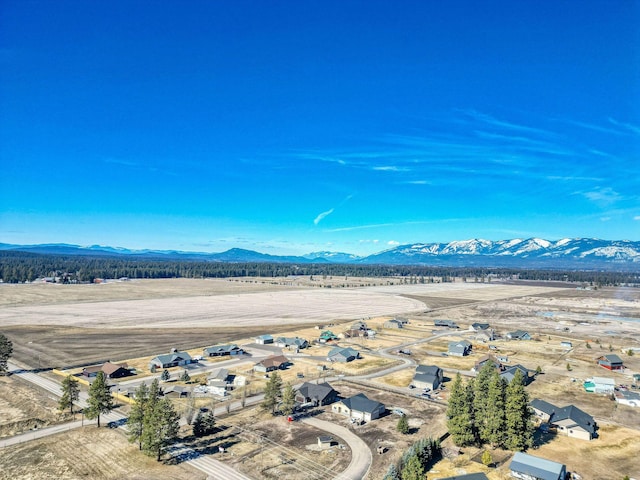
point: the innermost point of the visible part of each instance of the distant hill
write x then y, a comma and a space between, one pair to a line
574, 253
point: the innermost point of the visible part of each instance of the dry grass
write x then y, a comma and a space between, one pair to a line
100, 454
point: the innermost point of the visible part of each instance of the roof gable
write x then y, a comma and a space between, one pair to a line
537, 467
360, 403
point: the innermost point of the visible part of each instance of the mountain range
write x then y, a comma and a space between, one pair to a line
580, 253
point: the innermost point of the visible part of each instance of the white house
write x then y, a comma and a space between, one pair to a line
359, 407
626, 397
603, 385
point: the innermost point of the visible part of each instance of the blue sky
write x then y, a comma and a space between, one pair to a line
297, 126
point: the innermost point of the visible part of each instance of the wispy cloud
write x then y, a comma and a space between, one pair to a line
637, 217
603, 196
633, 128
390, 168
322, 216
393, 243
326, 213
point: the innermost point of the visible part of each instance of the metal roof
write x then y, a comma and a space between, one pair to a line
537, 467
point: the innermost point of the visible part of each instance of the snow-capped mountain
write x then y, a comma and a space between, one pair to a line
574, 253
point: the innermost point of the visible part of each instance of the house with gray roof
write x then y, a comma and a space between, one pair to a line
459, 349
569, 420
510, 372
467, 476
611, 362
169, 360
519, 335
445, 323
319, 394
477, 327
427, 376
295, 343
542, 410
359, 407
222, 350
264, 339
343, 355
528, 467
628, 398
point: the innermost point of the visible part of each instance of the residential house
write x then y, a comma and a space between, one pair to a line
359, 407
573, 422
342, 355
611, 362
485, 335
219, 376
392, 324
519, 335
327, 336
483, 360
528, 467
503, 358
427, 376
467, 476
274, 362
264, 339
445, 323
222, 350
510, 372
169, 360
402, 320
459, 349
542, 410
569, 420
359, 326
110, 370
294, 343
627, 397
176, 391
319, 394
477, 327
355, 333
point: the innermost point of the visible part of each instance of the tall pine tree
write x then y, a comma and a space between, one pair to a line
135, 423
70, 393
495, 424
459, 418
519, 428
160, 427
100, 399
481, 400
272, 393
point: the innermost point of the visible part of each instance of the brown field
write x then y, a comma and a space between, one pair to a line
23, 407
89, 452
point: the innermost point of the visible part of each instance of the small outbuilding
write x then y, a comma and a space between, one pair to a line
264, 339
392, 324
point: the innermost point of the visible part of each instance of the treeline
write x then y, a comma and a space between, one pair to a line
18, 267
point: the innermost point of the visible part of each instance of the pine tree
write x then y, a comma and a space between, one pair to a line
100, 399
165, 375
135, 423
519, 429
198, 425
160, 427
288, 399
392, 473
481, 399
185, 377
70, 393
272, 393
495, 424
6, 350
204, 424
403, 425
413, 469
459, 419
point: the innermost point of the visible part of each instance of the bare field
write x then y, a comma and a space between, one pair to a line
23, 407
89, 452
